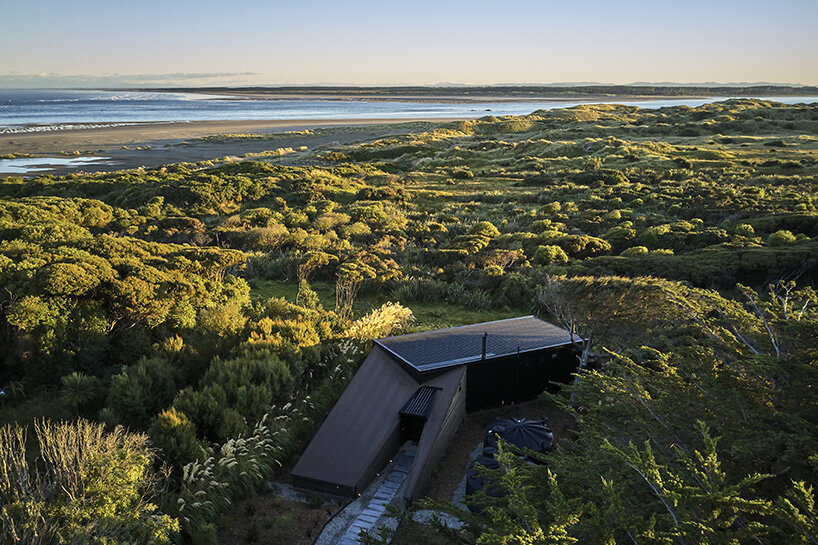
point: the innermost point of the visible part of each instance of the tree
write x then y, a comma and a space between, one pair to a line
609, 309
350, 277
645, 465
307, 264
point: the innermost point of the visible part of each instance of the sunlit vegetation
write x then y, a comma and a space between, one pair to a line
216, 312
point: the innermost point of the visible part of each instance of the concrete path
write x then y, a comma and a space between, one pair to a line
367, 512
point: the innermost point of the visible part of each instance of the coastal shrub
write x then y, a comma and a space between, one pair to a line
79, 390
549, 253
635, 251
484, 229
517, 291
79, 484
175, 436
266, 238
583, 245
240, 465
222, 321
606, 176
478, 299
744, 230
236, 391
781, 238
389, 319
141, 390
455, 293
420, 290
463, 173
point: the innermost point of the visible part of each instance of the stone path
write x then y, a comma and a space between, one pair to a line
385, 493
368, 512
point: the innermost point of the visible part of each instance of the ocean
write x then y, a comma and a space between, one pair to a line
49, 110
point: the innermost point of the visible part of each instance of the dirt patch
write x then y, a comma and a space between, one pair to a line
452, 466
268, 519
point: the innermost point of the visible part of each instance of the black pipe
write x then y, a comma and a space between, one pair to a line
485, 337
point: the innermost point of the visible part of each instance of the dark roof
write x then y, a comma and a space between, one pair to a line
365, 422
420, 403
453, 346
359, 425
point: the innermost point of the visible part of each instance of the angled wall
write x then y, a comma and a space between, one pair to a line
444, 419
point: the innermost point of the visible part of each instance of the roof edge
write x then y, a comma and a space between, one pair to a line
464, 325
443, 364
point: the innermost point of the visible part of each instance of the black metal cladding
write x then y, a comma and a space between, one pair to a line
420, 404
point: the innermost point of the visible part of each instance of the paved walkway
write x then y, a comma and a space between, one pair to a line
364, 513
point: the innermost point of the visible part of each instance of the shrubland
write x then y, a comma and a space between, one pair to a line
220, 309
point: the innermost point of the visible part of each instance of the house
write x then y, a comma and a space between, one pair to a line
418, 387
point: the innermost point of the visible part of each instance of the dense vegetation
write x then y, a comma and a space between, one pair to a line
218, 308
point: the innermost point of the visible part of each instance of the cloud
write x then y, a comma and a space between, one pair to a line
179, 79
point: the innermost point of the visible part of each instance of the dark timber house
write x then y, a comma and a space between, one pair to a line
418, 387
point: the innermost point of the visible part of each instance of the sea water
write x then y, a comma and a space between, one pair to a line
49, 110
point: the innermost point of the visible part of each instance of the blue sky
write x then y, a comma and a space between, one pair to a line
205, 42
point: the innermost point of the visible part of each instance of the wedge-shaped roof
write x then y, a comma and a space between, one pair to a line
363, 429
431, 350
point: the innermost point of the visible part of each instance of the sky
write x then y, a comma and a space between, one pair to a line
87, 43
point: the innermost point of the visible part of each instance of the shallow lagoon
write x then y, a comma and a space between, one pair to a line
30, 165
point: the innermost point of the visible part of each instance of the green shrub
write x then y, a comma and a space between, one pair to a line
548, 254
84, 485
583, 245
550, 208
484, 229
222, 321
781, 238
141, 390
635, 251
462, 173
478, 300
236, 391
175, 435
78, 390
745, 230
606, 176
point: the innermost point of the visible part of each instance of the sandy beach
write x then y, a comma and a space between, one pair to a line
115, 136
151, 145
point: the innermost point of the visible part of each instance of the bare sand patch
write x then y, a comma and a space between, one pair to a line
153, 145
